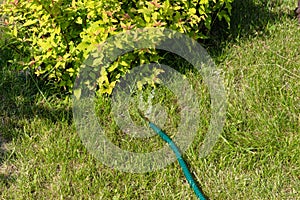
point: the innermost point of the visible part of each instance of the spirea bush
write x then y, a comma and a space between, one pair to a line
56, 36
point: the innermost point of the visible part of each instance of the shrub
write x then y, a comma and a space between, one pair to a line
57, 35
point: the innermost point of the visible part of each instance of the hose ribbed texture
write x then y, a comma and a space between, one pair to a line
182, 163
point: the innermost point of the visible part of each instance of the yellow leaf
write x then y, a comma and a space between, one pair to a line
57, 30
124, 63
113, 67
192, 11
15, 31
79, 20
29, 22
71, 70
77, 93
139, 85
147, 18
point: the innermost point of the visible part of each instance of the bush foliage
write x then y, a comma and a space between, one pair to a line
56, 36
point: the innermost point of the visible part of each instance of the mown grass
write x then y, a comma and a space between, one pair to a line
257, 156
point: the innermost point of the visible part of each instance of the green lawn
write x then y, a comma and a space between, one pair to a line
256, 157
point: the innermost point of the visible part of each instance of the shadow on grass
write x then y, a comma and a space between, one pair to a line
249, 19
21, 100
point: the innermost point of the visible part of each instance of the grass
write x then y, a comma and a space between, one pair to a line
257, 156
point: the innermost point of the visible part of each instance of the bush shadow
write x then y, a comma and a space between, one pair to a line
23, 99
249, 19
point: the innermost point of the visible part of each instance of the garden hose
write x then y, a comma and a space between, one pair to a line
175, 149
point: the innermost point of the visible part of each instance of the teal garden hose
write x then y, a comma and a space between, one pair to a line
182, 163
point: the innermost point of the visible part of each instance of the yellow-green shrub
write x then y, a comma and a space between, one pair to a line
57, 35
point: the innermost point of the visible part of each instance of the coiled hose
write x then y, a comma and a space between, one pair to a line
182, 163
